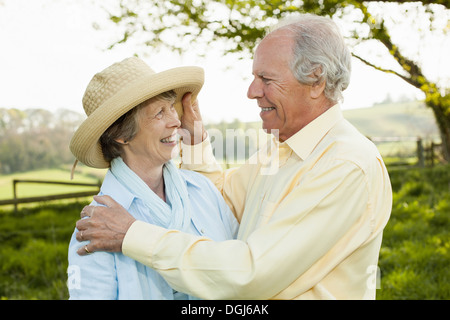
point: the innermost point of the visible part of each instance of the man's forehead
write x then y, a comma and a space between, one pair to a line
276, 43
275, 49
282, 34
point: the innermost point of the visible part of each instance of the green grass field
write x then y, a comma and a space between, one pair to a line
414, 258
83, 175
34, 251
415, 254
407, 119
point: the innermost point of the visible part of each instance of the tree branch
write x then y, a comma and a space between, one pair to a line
445, 3
385, 70
379, 32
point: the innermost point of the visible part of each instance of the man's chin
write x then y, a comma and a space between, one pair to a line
271, 130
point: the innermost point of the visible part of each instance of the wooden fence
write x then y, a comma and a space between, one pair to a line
16, 200
427, 153
426, 156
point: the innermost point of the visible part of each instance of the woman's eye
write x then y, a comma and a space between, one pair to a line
159, 115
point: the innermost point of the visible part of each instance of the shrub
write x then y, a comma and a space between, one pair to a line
415, 253
414, 257
34, 251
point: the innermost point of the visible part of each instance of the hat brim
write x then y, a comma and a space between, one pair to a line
85, 143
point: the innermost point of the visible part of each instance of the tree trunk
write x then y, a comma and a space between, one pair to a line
441, 110
440, 105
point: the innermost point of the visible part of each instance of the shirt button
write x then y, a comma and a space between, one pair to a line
202, 231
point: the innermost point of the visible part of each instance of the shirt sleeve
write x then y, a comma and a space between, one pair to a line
294, 241
231, 183
91, 277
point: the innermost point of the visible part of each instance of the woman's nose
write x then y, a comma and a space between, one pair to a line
174, 120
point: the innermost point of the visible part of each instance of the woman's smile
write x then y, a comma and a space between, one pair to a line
170, 140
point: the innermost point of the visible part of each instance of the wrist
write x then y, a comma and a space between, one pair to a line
195, 138
124, 234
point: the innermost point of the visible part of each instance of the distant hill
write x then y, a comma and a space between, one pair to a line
407, 119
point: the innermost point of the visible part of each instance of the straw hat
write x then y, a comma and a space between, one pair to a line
114, 91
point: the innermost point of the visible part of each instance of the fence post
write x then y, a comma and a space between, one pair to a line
15, 195
16, 200
420, 155
432, 156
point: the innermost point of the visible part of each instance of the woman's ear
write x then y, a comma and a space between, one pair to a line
121, 141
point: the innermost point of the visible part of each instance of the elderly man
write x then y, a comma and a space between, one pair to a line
312, 228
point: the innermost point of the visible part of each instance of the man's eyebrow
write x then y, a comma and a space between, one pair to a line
263, 74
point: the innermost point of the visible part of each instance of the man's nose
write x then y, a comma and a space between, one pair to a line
255, 89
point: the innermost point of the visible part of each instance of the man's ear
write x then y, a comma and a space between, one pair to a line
317, 89
319, 86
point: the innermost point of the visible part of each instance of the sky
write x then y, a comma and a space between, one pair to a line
49, 51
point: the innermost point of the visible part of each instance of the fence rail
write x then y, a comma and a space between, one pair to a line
427, 153
16, 200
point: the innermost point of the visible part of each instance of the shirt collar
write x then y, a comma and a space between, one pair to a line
305, 140
113, 188
190, 178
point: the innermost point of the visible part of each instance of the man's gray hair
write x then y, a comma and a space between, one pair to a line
320, 53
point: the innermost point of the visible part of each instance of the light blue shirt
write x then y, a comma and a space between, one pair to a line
104, 275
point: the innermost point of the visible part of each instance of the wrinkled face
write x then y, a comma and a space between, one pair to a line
157, 135
284, 101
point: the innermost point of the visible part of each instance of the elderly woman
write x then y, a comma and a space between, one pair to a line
131, 128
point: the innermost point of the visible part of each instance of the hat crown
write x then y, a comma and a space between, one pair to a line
118, 89
108, 82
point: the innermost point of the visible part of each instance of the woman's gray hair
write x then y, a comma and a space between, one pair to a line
320, 54
126, 128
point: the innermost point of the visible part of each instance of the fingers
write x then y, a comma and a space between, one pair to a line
190, 109
100, 245
186, 102
84, 251
106, 201
88, 211
83, 233
191, 121
104, 226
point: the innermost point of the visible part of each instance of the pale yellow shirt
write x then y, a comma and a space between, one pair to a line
311, 212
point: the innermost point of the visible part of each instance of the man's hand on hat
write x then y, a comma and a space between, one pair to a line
104, 226
192, 129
